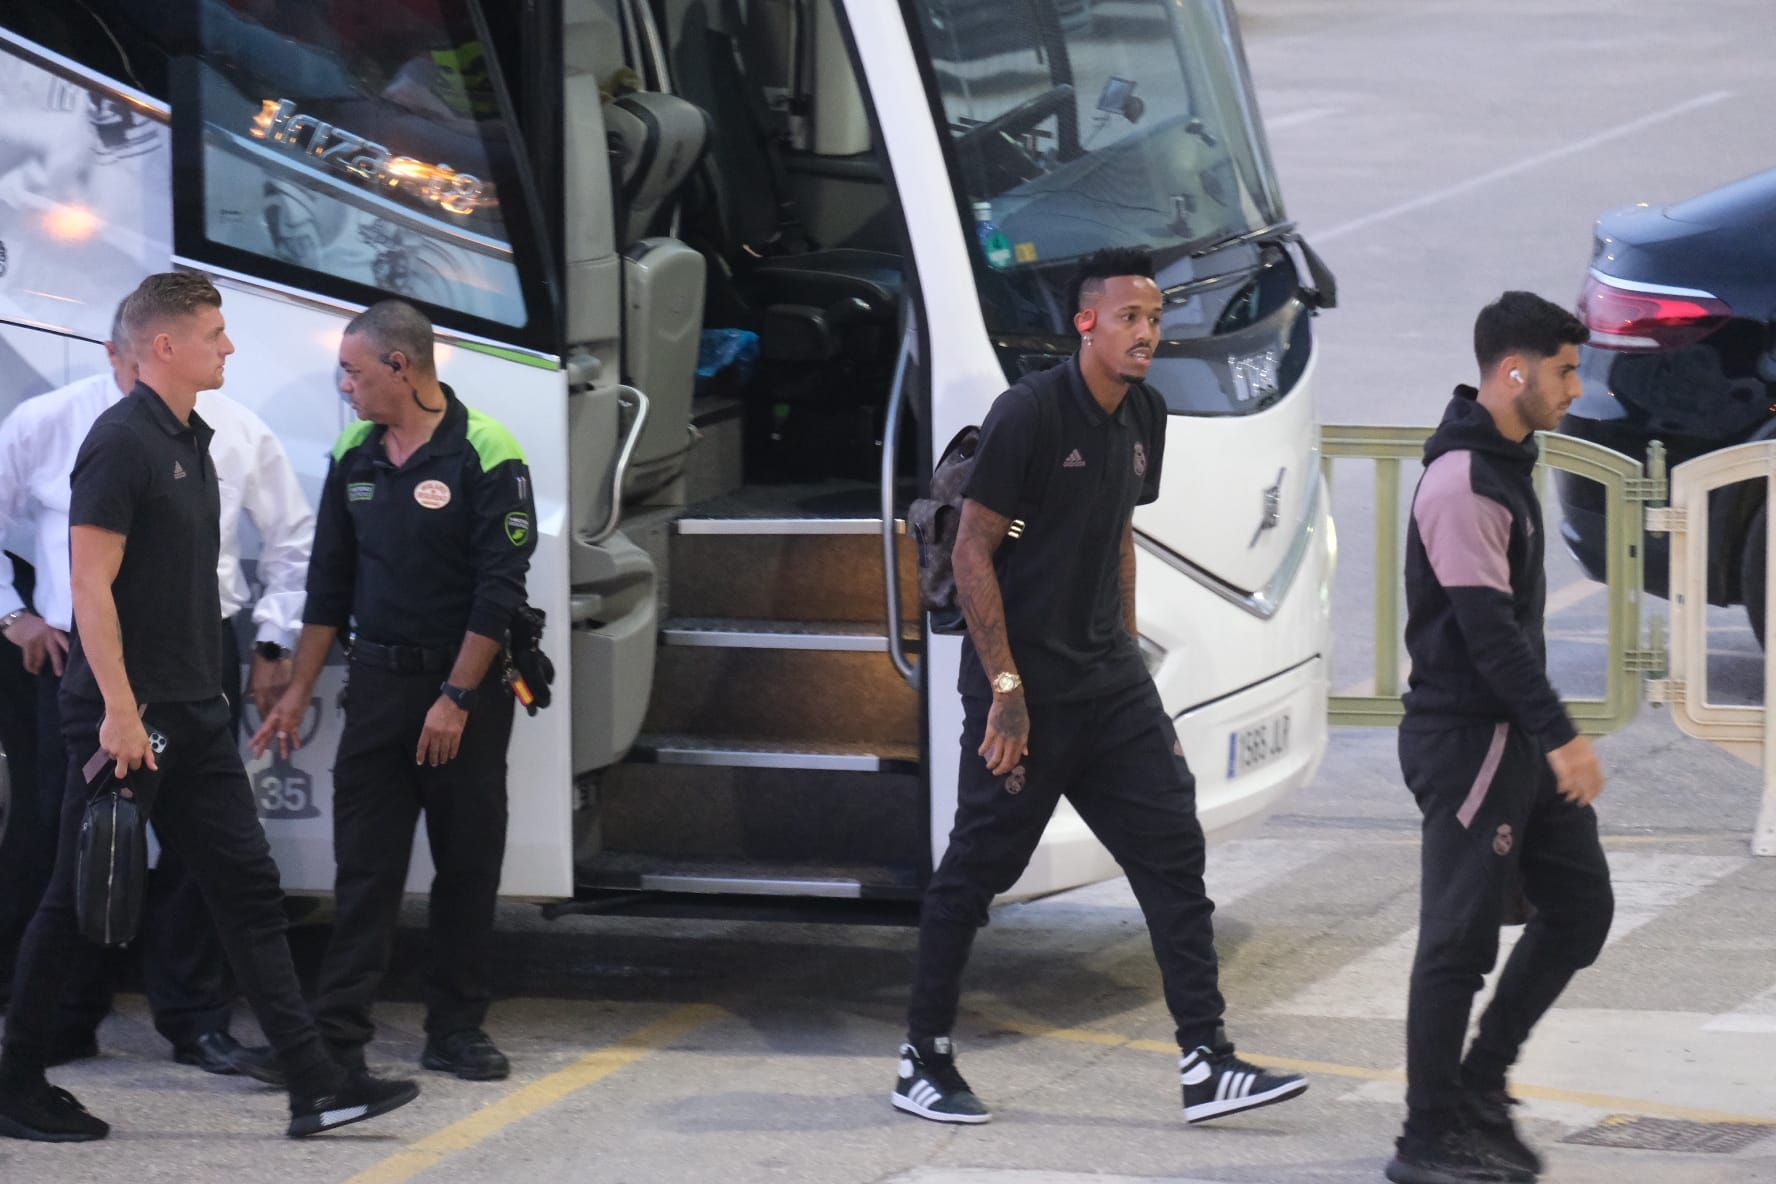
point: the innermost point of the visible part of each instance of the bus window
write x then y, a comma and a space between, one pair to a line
84, 191
361, 143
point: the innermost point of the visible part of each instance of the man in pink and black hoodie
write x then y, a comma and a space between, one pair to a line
1503, 780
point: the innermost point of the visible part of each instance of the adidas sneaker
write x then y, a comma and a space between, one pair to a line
1216, 1085
930, 1086
361, 1096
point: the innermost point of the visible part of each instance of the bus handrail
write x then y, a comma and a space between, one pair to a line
890, 547
627, 396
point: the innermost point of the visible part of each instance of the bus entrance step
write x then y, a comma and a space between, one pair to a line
655, 748
750, 633
652, 873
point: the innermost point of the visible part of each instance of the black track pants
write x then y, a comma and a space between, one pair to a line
1490, 813
1117, 760
203, 809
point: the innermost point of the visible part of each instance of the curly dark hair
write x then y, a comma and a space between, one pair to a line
1524, 323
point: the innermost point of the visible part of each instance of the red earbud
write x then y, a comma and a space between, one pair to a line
1088, 319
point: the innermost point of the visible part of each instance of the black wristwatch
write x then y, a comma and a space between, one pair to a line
460, 697
271, 651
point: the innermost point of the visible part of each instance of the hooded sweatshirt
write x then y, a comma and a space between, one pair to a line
1475, 587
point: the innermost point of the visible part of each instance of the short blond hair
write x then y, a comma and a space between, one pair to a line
159, 298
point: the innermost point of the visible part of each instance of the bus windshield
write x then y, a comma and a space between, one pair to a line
1082, 124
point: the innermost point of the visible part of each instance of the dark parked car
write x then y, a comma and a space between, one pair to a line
1681, 301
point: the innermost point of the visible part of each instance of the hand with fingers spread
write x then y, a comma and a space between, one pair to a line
1578, 774
283, 723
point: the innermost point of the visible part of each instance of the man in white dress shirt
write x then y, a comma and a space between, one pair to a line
182, 957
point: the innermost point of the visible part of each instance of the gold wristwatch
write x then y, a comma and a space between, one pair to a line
1005, 682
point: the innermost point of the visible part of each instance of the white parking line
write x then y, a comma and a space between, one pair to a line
1757, 1014
1320, 238
1297, 118
1374, 985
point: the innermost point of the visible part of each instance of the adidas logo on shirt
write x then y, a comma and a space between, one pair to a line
1073, 461
178, 471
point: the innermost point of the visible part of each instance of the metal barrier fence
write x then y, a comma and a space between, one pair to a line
1628, 487
1634, 494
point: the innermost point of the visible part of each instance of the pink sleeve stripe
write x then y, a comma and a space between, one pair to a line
1465, 535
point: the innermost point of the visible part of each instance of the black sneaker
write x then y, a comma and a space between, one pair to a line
930, 1086
469, 1054
220, 1053
47, 1114
362, 1096
1216, 1085
1459, 1155
1489, 1110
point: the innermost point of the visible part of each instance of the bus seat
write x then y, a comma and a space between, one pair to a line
659, 140
802, 300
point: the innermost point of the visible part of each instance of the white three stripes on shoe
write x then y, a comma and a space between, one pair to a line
346, 1114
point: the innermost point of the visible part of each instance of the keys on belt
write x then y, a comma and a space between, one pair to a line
402, 659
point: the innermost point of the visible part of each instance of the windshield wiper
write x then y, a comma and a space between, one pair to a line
1280, 232
1323, 294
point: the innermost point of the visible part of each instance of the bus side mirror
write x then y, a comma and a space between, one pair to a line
1324, 292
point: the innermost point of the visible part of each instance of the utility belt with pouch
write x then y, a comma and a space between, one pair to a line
111, 855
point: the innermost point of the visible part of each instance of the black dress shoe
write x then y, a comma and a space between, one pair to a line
361, 1096
63, 1049
469, 1054
47, 1114
218, 1052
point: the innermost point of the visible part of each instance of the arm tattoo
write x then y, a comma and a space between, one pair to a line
1127, 574
978, 536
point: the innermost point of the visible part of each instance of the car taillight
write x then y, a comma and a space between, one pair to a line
1633, 316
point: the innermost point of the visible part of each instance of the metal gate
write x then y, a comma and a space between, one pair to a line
1634, 497
1744, 731
1628, 488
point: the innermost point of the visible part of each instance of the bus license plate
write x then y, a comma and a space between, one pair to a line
1257, 745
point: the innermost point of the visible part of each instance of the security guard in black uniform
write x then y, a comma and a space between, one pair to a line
425, 531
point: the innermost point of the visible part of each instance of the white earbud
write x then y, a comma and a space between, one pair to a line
1517, 376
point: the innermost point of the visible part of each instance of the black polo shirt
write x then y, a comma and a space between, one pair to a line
420, 554
142, 474
1074, 474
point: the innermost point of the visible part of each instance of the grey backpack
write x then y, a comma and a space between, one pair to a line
934, 520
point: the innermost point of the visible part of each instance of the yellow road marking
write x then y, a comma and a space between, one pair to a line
1608, 1102
539, 1095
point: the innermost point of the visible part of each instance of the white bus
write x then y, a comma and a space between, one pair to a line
730, 272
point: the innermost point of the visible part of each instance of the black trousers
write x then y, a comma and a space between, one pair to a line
182, 961
1491, 814
1117, 759
31, 731
203, 810
379, 793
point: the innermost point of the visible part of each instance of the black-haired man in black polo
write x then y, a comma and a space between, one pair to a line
424, 535
1057, 700
142, 698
